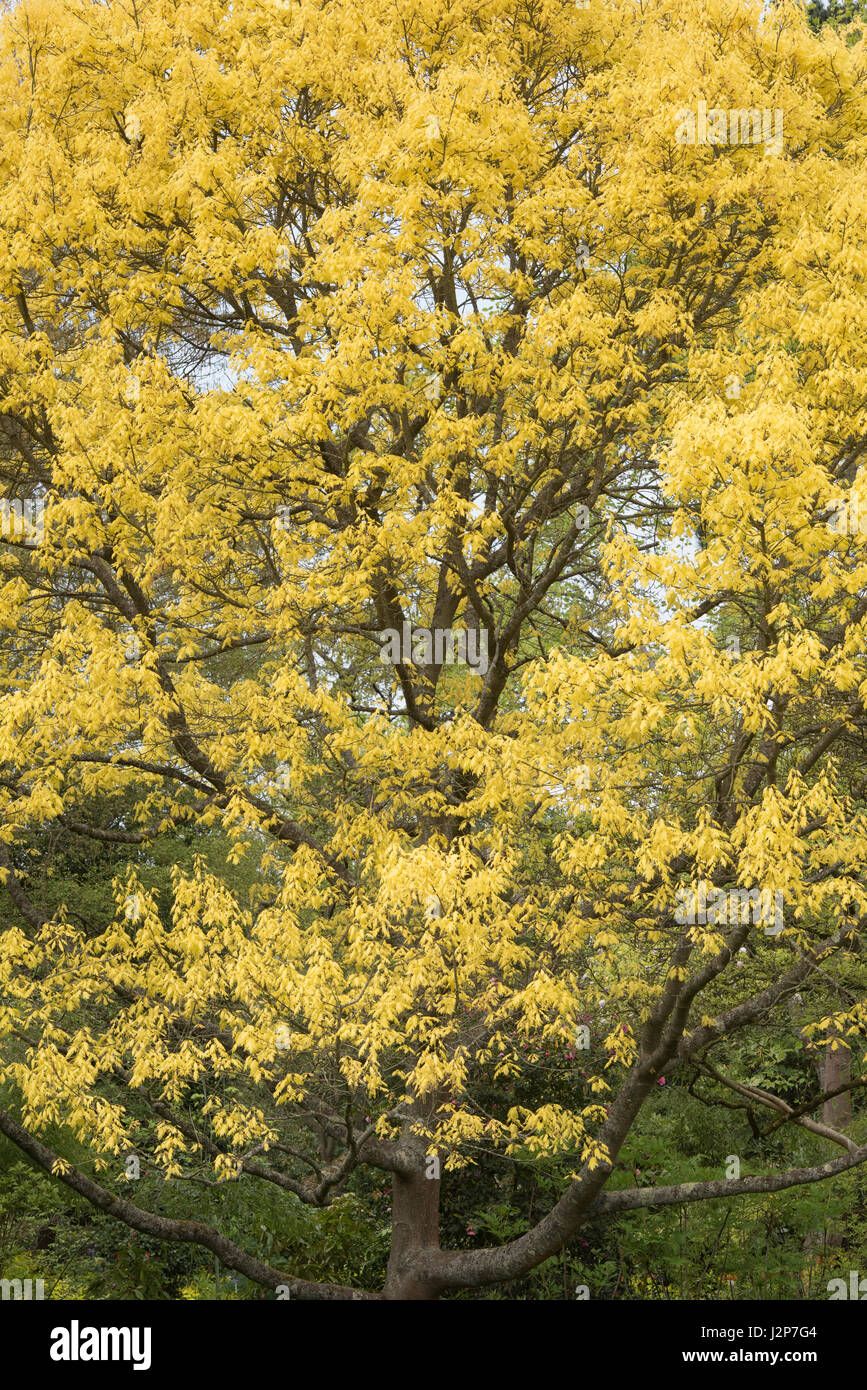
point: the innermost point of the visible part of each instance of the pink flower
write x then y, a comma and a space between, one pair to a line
470, 1231
661, 1081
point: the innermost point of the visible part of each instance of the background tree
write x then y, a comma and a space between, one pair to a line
840, 14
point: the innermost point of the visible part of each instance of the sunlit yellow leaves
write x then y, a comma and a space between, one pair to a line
302, 318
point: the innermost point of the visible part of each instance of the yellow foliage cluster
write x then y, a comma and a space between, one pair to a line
297, 343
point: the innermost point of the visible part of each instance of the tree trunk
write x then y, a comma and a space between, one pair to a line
833, 1070
837, 1112
415, 1228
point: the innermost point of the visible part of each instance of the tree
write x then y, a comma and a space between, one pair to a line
326, 331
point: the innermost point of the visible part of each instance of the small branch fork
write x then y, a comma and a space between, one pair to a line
789, 1113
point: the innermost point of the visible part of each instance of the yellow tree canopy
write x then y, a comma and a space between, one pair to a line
328, 329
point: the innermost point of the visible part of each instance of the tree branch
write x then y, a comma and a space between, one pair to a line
166, 1228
